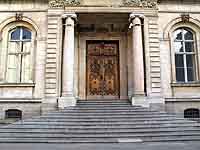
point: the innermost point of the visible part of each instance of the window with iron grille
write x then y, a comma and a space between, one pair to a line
13, 114
191, 113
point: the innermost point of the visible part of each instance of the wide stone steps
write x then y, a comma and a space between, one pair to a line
105, 117
100, 140
103, 108
84, 110
98, 130
102, 124
91, 114
106, 121
68, 134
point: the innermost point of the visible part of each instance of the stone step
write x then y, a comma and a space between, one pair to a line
119, 116
98, 122
101, 103
191, 138
100, 135
99, 130
104, 102
101, 140
84, 110
102, 126
118, 108
101, 122
58, 128
83, 113
90, 124
97, 114
104, 105
103, 119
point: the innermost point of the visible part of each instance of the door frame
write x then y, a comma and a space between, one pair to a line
81, 38
118, 70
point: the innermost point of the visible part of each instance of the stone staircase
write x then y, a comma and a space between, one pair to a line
102, 122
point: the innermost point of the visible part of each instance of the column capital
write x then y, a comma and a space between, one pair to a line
70, 15
132, 16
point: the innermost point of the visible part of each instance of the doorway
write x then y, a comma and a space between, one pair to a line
102, 69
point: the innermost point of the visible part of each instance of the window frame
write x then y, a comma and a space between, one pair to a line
5, 42
19, 54
192, 28
9, 114
192, 113
184, 54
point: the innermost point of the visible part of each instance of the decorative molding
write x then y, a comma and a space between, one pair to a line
185, 17
72, 2
19, 16
63, 3
71, 15
134, 15
141, 3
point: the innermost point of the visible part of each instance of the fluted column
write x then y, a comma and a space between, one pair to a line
67, 94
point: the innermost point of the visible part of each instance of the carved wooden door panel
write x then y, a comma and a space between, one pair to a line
110, 75
102, 69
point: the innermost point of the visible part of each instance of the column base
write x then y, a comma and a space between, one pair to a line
48, 105
139, 101
64, 102
157, 103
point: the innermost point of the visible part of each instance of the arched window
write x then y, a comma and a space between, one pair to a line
13, 114
19, 60
191, 113
185, 53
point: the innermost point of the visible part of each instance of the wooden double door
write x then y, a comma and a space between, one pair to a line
102, 69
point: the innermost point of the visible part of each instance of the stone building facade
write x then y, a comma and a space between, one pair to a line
53, 53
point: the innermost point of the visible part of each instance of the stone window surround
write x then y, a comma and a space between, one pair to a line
17, 84
195, 29
5, 31
24, 50
185, 53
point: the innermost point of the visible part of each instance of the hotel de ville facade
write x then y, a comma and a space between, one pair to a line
54, 53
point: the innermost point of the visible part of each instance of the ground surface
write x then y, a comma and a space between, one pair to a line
122, 146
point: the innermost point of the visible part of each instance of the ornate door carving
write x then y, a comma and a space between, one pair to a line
102, 69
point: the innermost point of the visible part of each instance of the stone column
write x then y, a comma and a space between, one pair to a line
138, 59
67, 95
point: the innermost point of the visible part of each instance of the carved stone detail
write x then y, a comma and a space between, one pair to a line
141, 3
56, 3
19, 16
63, 3
185, 17
72, 2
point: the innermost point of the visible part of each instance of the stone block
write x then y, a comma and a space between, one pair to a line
64, 102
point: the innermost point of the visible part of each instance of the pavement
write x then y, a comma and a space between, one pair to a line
119, 146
